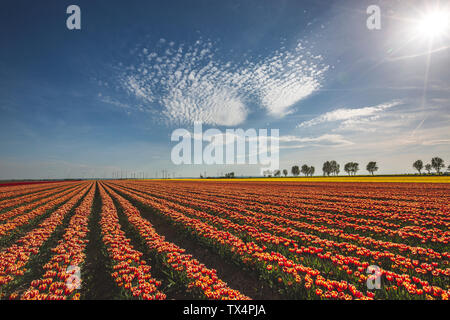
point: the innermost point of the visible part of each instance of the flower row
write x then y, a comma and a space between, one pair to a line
129, 271
13, 260
17, 211
67, 260
25, 218
13, 202
15, 191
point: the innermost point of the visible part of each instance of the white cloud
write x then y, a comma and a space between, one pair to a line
135, 86
204, 104
191, 84
350, 117
327, 138
284, 142
383, 127
109, 100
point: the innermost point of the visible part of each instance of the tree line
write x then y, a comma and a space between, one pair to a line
436, 163
332, 168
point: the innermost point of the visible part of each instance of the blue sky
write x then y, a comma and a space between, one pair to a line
107, 97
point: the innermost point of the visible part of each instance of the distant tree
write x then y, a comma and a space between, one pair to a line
305, 169
348, 167
326, 168
229, 175
335, 167
355, 167
295, 170
351, 167
428, 167
448, 168
418, 165
372, 167
312, 169
277, 173
437, 163
285, 172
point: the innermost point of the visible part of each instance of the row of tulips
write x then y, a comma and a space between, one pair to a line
21, 204
130, 271
9, 192
14, 259
197, 274
68, 258
20, 218
263, 237
249, 253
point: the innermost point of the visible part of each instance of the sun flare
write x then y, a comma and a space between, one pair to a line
433, 24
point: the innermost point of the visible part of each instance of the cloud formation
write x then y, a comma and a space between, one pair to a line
284, 141
395, 124
350, 117
191, 83
325, 139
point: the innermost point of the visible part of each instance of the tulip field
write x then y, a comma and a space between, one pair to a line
230, 239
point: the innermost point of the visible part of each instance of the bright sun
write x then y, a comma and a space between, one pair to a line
433, 24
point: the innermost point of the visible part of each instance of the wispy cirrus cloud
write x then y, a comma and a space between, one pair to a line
284, 141
350, 116
325, 139
189, 83
112, 101
391, 124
